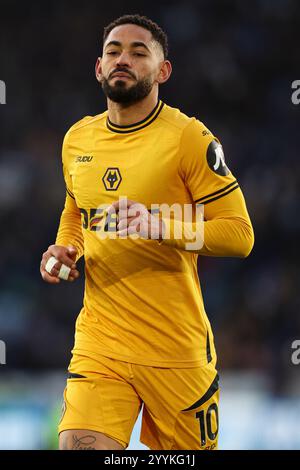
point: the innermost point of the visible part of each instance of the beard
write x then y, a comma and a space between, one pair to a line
127, 96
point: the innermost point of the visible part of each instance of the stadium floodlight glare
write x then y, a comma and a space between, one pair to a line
2, 92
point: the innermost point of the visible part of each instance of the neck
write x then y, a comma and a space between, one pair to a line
126, 115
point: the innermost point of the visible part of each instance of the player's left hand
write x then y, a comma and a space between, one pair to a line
133, 218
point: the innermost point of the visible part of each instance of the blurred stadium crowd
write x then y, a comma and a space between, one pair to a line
234, 63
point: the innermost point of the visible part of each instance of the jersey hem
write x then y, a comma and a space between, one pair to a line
150, 363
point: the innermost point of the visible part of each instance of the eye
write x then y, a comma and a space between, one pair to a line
112, 53
139, 54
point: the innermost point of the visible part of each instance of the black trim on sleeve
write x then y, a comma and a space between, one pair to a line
201, 199
218, 197
69, 192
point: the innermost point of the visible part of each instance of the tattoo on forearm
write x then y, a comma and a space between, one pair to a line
83, 443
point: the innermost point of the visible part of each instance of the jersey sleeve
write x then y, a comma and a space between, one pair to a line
203, 167
65, 165
70, 229
226, 228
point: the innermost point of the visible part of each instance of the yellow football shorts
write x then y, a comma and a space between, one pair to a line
180, 405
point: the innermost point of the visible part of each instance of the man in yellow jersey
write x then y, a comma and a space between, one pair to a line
142, 337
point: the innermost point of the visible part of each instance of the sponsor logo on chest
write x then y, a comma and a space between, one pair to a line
83, 159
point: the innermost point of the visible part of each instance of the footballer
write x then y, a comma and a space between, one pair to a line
142, 338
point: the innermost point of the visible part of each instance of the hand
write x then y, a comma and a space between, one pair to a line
135, 219
64, 255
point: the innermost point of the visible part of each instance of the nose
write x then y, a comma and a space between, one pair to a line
123, 59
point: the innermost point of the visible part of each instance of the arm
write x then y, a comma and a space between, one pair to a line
226, 230
68, 246
70, 231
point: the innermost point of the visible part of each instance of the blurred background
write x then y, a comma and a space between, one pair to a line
234, 63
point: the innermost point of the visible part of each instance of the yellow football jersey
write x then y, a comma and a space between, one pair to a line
142, 301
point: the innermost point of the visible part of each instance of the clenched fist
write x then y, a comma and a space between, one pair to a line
64, 255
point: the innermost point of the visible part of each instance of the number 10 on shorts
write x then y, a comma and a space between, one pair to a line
209, 424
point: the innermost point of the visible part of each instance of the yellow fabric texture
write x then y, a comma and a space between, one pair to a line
226, 229
106, 395
142, 301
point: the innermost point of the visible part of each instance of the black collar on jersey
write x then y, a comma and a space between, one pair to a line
138, 125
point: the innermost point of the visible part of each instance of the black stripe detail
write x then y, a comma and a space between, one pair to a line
212, 389
75, 376
137, 123
216, 192
208, 352
221, 195
70, 194
137, 128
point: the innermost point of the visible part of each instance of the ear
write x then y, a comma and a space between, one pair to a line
165, 72
98, 70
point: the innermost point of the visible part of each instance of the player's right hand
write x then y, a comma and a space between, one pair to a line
64, 255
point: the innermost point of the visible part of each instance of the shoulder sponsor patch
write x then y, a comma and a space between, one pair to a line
215, 158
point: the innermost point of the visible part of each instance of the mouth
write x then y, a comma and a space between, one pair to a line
121, 75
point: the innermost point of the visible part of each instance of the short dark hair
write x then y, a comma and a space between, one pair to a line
158, 34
